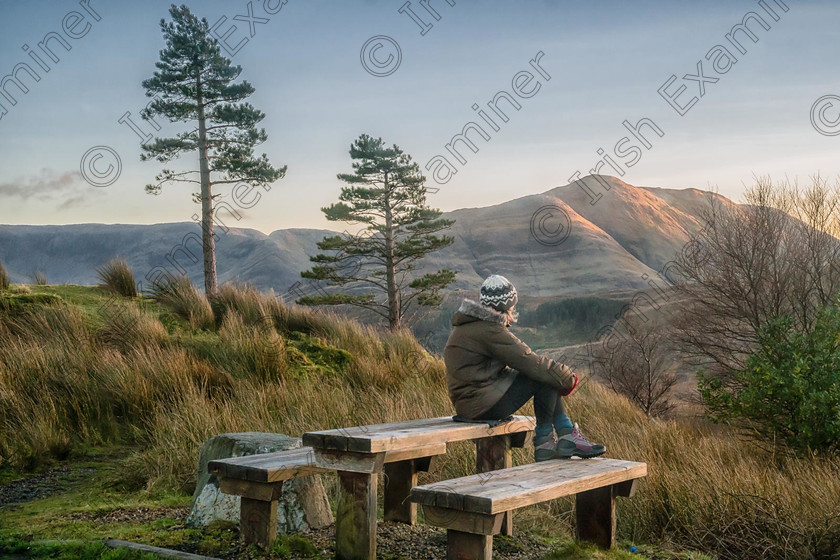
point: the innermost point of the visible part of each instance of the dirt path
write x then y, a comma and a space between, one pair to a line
39, 486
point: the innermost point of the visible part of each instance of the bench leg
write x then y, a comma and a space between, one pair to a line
400, 478
595, 513
355, 524
491, 454
258, 522
468, 546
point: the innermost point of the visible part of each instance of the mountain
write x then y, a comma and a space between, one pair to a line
614, 244
70, 254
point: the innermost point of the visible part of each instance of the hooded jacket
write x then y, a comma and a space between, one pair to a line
483, 357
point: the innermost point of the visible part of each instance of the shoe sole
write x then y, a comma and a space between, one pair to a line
580, 454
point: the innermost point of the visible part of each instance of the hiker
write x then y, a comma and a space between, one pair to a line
491, 374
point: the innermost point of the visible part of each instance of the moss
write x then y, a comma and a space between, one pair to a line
13, 304
309, 355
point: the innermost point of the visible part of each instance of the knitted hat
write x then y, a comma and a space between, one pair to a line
497, 292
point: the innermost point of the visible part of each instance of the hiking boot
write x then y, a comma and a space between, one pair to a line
576, 444
545, 451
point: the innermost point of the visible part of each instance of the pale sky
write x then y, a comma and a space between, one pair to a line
601, 64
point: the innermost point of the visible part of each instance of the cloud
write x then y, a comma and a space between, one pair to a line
71, 202
42, 186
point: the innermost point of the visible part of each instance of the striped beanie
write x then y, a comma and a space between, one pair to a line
497, 292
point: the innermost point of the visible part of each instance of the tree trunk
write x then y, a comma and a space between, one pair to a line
394, 318
207, 235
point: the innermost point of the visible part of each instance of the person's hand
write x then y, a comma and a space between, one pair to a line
574, 386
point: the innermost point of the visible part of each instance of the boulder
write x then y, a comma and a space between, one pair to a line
302, 505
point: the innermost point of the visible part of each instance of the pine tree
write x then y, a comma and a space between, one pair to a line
195, 84
387, 196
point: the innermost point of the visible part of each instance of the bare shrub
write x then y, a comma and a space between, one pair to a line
777, 255
637, 366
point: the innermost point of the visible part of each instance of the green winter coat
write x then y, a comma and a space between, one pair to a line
482, 358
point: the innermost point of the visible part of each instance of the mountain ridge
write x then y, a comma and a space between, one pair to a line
629, 233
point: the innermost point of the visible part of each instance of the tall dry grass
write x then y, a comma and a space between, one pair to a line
185, 300
63, 385
117, 276
4, 278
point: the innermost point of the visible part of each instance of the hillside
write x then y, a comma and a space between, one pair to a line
123, 413
631, 231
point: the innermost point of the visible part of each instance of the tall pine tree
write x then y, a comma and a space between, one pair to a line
195, 84
387, 196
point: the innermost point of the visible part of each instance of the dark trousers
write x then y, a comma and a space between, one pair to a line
548, 404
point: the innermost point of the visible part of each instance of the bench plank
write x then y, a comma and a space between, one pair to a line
285, 465
415, 433
509, 489
268, 467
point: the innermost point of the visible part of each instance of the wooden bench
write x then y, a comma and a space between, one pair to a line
472, 508
258, 480
400, 450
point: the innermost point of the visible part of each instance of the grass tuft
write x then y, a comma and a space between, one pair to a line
185, 300
4, 279
118, 277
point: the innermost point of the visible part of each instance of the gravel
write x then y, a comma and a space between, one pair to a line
421, 542
39, 486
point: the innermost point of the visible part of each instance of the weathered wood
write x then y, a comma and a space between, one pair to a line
426, 451
526, 485
355, 523
595, 515
254, 490
349, 461
407, 435
285, 465
492, 454
626, 489
258, 522
156, 550
468, 546
400, 478
465, 521
268, 467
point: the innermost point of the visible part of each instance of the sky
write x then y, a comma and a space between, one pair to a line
601, 66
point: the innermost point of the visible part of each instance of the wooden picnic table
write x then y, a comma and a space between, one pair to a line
400, 450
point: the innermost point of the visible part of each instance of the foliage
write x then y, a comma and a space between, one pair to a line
790, 388
118, 277
387, 196
39, 278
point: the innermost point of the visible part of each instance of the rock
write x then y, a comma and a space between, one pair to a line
303, 503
